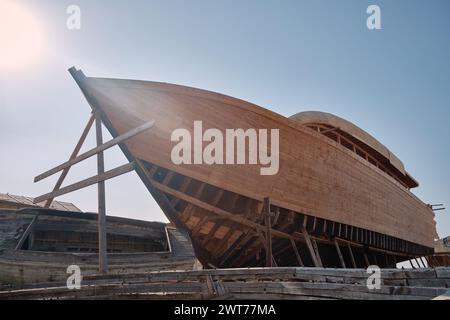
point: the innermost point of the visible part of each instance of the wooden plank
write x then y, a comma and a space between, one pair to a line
199, 225
220, 212
316, 249
297, 254
351, 255
211, 233
287, 283
338, 250
310, 247
418, 261
227, 254
96, 150
224, 245
268, 218
264, 243
87, 182
366, 259
75, 152
102, 245
27, 232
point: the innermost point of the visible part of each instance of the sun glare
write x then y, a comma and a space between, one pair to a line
21, 36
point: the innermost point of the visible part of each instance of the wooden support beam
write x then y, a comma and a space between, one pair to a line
310, 247
239, 256
329, 130
352, 257
418, 262
96, 150
297, 253
263, 239
263, 243
88, 182
74, 154
426, 260
366, 259
217, 211
227, 254
168, 177
359, 245
211, 233
338, 250
205, 217
267, 218
224, 245
216, 227
102, 245
27, 232
277, 215
316, 249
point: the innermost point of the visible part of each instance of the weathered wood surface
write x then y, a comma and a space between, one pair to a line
101, 199
317, 175
248, 283
23, 267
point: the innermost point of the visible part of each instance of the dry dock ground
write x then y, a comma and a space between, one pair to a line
249, 283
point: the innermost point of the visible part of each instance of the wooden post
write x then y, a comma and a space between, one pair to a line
297, 254
267, 217
310, 247
341, 258
351, 255
102, 256
87, 182
316, 249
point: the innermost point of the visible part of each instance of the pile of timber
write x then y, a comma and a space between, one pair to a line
250, 283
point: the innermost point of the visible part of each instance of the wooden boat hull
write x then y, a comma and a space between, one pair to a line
317, 177
60, 239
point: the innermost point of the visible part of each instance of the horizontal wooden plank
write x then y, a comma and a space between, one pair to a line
283, 283
94, 151
87, 182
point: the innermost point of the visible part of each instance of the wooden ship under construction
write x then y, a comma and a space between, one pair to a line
339, 199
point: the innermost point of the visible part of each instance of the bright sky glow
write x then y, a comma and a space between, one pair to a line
21, 36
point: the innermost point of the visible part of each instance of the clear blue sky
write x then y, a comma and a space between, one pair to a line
288, 56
